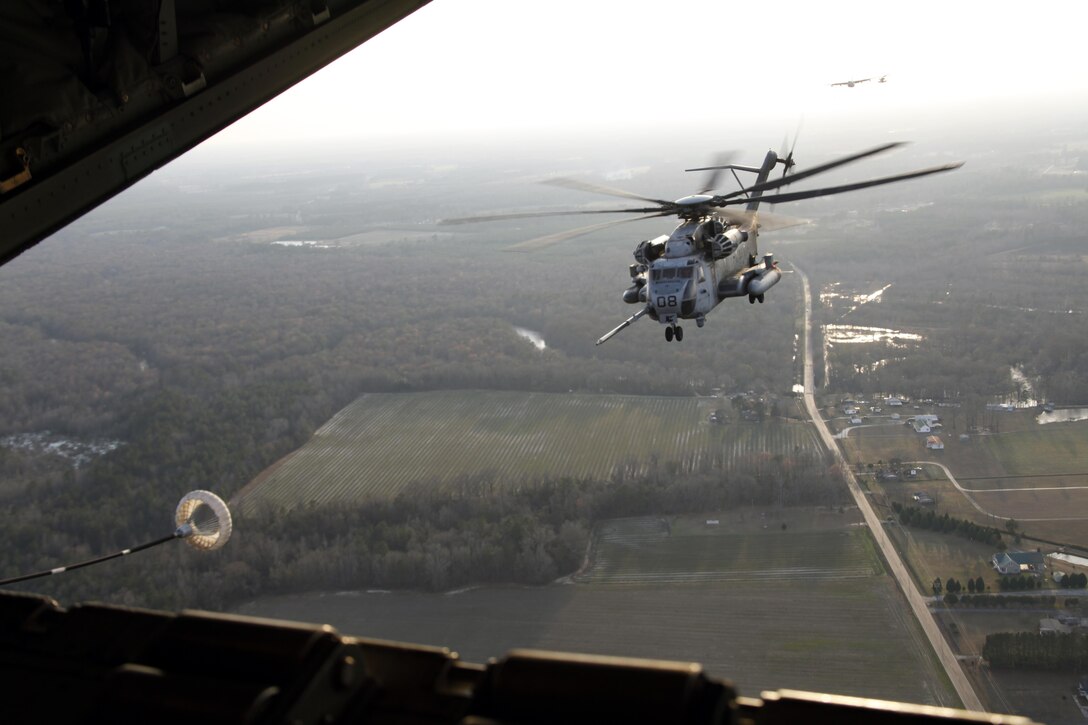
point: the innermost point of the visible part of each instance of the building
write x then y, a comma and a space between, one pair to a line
920, 426
1019, 562
934, 443
1053, 626
923, 498
893, 402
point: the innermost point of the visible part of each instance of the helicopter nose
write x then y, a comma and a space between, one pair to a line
672, 298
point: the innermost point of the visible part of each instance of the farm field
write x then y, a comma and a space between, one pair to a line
1043, 696
1035, 474
931, 554
383, 442
630, 551
843, 631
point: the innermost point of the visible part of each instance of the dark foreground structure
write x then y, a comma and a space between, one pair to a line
94, 663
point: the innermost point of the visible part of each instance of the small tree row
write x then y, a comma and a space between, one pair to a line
1031, 650
929, 519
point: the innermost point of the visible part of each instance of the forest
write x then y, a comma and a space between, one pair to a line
430, 537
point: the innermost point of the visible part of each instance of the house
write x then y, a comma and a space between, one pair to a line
920, 426
1019, 562
1048, 626
934, 443
855, 421
923, 498
893, 402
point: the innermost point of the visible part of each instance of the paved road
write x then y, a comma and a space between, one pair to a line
918, 603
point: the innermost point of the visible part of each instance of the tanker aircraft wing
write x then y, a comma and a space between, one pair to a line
95, 95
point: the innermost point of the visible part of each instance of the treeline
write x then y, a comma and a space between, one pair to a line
1075, 581
1019, 583
1011, 600
925, 518
428, 538
1030, 650
955, 586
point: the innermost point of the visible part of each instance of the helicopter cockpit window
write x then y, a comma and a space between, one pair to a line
668, 273
685, 273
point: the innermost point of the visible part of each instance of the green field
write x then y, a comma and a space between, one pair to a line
650, 549
1043, 696
1036, 474
845, 631
383, 442
930, 555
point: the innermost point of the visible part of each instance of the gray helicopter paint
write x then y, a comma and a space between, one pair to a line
666, 295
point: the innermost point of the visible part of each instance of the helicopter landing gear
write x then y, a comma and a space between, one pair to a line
674, 331
753, 298
700, 321
679, 333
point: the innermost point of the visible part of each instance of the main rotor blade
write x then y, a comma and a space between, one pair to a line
800, 175
720, 162
548, 240
536, 214
828, 191
772, 222
577, 185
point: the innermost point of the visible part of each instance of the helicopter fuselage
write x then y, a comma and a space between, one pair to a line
705, 260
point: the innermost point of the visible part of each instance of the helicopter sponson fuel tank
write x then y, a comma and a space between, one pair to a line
752, 281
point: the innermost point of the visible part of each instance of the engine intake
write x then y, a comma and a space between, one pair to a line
725, 244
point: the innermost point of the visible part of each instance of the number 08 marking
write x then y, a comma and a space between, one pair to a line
671, 302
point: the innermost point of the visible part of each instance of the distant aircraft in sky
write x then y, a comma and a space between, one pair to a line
851, 84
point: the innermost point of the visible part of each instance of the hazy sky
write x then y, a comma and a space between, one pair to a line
517, 65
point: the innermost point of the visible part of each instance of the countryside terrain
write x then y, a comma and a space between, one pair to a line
382, 443
806, 606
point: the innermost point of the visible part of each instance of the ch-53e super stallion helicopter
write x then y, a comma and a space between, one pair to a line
712, 254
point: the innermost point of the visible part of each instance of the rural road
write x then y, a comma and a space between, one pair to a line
918, 603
